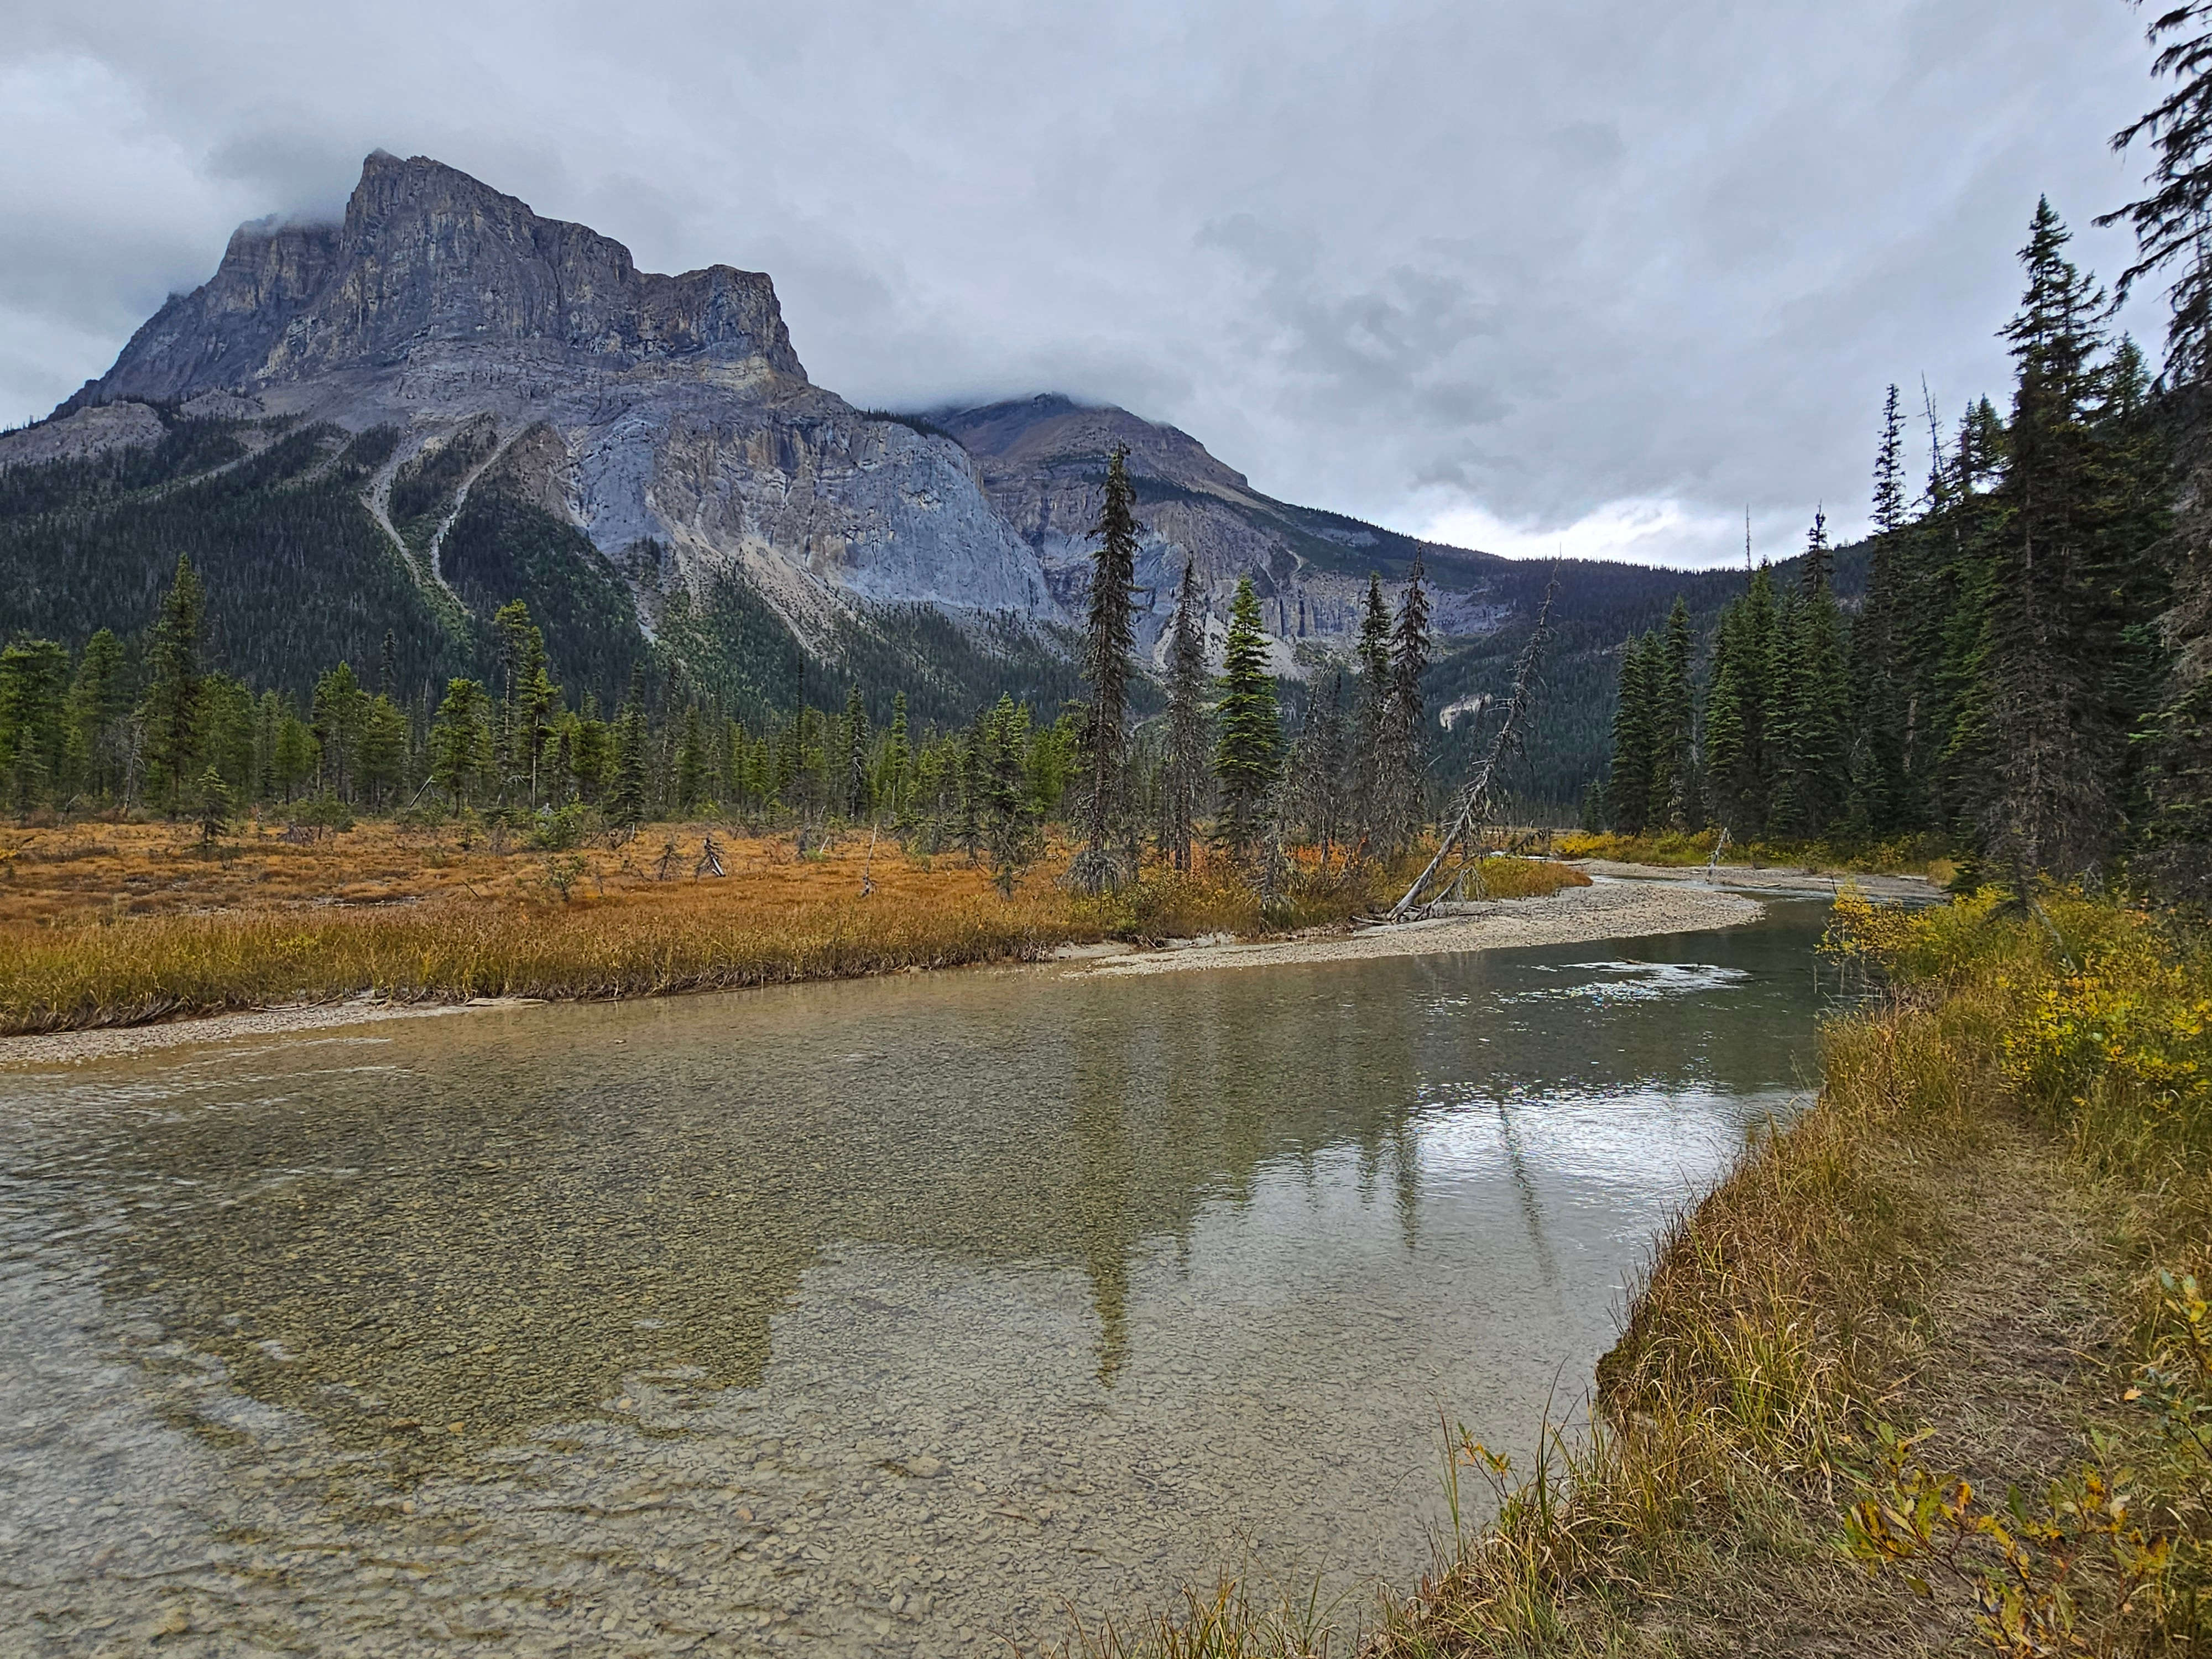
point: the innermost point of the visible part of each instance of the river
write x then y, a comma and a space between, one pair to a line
891, 1316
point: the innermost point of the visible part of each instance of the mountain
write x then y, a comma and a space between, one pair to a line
399, 422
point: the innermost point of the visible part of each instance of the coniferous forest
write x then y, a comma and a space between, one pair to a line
2021, 678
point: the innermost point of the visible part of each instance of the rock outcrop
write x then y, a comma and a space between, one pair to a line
427, 259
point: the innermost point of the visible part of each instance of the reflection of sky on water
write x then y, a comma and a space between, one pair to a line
1632, 981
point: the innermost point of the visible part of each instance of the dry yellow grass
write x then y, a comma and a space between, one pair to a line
108, 924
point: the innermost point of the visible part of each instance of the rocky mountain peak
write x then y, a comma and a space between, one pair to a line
1050, 431
429, 259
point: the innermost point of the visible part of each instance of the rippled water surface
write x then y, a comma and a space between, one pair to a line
887, 1317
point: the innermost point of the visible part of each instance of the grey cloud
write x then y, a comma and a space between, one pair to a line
1389, 257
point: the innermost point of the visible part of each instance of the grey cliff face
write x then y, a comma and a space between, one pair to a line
669, 420
684, 416
428, 258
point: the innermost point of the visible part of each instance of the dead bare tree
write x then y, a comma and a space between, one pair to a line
1476, 805
710, 859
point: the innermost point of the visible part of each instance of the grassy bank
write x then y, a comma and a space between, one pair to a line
1929, 1371
108, 925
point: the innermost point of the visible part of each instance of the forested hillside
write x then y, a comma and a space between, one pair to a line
299, 576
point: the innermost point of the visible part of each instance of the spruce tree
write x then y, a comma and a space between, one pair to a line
34, 674
1183, 760
1628, 791
1878, 789
1248, 751
891, 788
1675, 798
1373, 658
693, 767
95, 741
339, 708
1888, 514
1401, 760
214, 803
1808, 712
1317, 766
383, 752
1738, 772
853, 785
629, 797
1109, 639
170, 711
2050, 801
461, 759
1008, 810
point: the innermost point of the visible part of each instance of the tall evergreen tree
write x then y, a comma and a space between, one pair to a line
170, 712
891, 788
383, 750
1878, 790
2050, 800
1402, 759
1739, 770
96, 743
1628, 790
694, 767
1248, 751
2172, 225
853, 786
1108, 642
1809, 713
1372, 658
462, 764
1675, 799
630, 795
1183, 757
1889, 469
339, 709
34, 676
1008, 809
1318, 768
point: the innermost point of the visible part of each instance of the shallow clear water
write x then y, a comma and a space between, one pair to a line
889, 1317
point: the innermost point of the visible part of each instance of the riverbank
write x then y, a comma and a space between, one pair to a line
1921, 855
110, 926
1787, 878
1972, 1269
1609, 909
1574, 915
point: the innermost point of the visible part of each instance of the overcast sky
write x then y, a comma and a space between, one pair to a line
1594, 274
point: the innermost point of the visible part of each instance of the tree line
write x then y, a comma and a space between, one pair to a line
1218, 766
2018, 679
1222, 765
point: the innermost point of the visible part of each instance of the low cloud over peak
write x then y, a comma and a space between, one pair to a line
1596, 275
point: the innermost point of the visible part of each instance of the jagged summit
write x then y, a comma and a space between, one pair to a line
428, 256
510, 409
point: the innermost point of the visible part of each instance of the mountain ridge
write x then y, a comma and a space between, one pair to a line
516, 412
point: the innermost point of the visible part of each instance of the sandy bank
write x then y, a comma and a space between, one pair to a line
1606, 909
70, 1047
1777, 878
